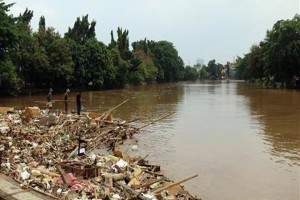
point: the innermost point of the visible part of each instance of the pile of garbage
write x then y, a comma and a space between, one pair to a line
54, 155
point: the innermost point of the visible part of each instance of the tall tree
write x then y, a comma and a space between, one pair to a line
190, 73
122, 43
97, 64
214, 69
146, 70
119, 69
60, 62
82, 30
24, 53
77, 36
125, 57
9, 80
282, 54
8, 31
276, 61
170, 65
53, 63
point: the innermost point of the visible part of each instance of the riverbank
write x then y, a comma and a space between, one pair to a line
28, 91
57, 155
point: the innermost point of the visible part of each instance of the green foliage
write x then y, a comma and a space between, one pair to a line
282, 51
166, 58
60, 62
276, 61
256, 62
25, 17
123, 41
97, 64
42, 25
214, 70
9, 80
190, 73
52, 63
242, 64
122, 44
80, 39
136, 77
8, 31
252, 66
44, 59
76, 51
146, 67
203, 74
82, 30
227, 68
119, 70
150, 72
25, 53
141, 45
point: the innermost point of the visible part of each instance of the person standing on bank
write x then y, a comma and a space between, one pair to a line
66, 95
78, 102
49, 98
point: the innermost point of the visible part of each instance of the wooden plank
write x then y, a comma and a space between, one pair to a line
156, 120
63, 174
173, 184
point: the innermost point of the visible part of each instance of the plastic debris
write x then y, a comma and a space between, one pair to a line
55, 155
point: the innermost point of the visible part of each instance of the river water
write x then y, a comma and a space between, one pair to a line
242, 141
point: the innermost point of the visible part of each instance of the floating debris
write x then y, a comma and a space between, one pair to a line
54, 155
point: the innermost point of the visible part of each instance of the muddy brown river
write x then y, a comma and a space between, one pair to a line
242, 141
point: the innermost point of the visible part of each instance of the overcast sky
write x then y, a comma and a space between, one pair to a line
199, 29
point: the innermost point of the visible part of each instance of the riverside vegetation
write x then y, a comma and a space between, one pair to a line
44, 58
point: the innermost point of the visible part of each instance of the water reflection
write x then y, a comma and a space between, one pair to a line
147, 101
242, 141
278, 111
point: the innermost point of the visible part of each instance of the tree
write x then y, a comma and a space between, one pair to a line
276, 60
123, 44
145, 70
227, 69
9, 80
25, 52
139, 63
119, 70
282, 51
8, 31
214, 69
255, 68
77, 37
60, 62
190, 73
242, 64
97, 64
82, 30
45, 59
166, 59
52, 64
203, 74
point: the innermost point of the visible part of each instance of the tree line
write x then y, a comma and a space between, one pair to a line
213, 71
44, 58
275, 61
